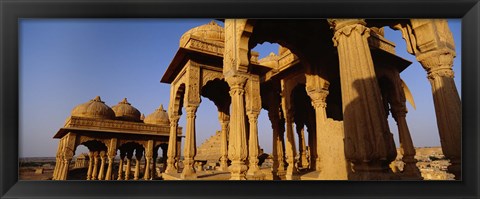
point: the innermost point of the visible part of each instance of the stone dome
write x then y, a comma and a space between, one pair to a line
210, 32
160, 116
95, 108
124, 111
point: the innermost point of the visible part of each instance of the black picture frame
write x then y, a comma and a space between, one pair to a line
12, 10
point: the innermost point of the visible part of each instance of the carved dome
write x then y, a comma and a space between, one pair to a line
124, 111
160, 116
210, 32
95, 108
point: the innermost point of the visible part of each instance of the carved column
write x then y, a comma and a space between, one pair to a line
154, 162
368, 144
190, 149
148, 159
58, 160
253, 150
396, 98
101, 174
224, 120
448, 106
129, 160
112, 152
431, 41
237, 145
302, 148
120, 164
288, 113
95, 165
138, 158
278, 167
90, 165
290, 146
172, 144
67, 155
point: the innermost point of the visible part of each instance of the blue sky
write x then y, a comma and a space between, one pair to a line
67, 62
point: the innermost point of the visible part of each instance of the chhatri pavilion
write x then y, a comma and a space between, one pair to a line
333, 82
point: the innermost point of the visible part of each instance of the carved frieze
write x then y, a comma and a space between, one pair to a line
115, 125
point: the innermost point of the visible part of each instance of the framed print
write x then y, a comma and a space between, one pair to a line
265, 99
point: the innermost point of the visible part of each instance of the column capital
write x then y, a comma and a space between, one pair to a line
345, 27
191, 110
318, 97
174, 119
236, 82
438, 63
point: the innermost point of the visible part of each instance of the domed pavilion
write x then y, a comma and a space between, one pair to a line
116, 138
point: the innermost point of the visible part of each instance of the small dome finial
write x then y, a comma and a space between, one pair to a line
142, 117
97, 99
161, 107
124, 101
272, 54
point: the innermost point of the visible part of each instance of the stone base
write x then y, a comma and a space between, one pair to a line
171, 176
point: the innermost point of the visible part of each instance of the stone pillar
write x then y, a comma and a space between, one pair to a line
368, 144
128, 167
253, 169
278, 167
224, 120
110, 167
396, 98
95, 165
90, 165
154, 163
318, 98
448, 107
172, 144
58, 160
290, 146
120, 164
302, 148
138, 158
190, 149
101, 174
237, 144
148, 160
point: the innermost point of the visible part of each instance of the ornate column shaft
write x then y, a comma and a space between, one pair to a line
148, 160
190, 149
128, 168
290, 146
319, 104
111, 153
278, 167
58, 160
448, 107
138, 158
302, 148
368, 144
95, 165
253, 150
90, 165
237, 145
101, 174
224, 120
120, 165
172, 144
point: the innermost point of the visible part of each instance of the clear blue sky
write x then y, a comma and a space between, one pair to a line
67, 62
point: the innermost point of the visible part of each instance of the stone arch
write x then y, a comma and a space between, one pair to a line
94, 145
177, 99
217, 90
